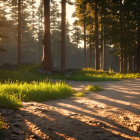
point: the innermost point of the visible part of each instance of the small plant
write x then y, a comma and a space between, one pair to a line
94, 88
80, 94
98, 87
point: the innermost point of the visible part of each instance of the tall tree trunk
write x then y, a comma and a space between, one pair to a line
102, 47
135, 64
63, 44
19, 33
90, 50
138, 54
47, 61
121, 38
85, 47
121, 63
90, 56
125, 63
130, 64
138, 39
97, 65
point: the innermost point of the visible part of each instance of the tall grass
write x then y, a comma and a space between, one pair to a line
89, 74
26, 73
13, 93
9, 101
27, 85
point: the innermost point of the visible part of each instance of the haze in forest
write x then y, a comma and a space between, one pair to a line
96, 36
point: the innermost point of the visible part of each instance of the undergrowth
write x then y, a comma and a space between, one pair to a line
26, 73
25, 84
13, 93
89, 74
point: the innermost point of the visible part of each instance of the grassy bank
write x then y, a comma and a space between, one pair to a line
27, 85
88, 74
28, 73
13, 93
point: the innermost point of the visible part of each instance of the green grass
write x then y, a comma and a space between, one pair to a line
89, 74
80, 94
94, 88
13, 93
27, 85
26, 73
9, 101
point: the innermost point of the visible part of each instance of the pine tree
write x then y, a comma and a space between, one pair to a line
138, 35
63, 43
19, 33
47, 61
77, 35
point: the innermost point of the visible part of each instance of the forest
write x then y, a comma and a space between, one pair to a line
96, 39
69, 75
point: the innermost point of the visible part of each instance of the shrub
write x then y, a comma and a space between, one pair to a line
94, 88
80, 94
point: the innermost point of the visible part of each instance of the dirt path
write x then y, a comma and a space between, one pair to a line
112, 114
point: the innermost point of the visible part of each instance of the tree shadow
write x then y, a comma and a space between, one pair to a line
42, 124
123, 94
92, 114
42, 121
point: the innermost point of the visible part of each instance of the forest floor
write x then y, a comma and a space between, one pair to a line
111, 114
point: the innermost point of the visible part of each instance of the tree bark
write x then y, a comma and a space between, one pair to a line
19, 33
97, 65
125, 64
85, 47
121, 38
130, 64
47, 61
102, 48
63, 44
90, 51
138, 39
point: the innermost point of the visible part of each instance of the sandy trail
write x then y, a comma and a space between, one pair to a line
111, 114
